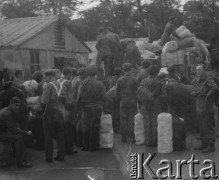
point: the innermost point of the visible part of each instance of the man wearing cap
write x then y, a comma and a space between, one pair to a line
82, 74
172, 77
53, 117
151, 112
67, 94
91, 96
130, 53
115, 47
205, 90
115, 78
103, 46
73, 74
126, 93
144, 73
10, 131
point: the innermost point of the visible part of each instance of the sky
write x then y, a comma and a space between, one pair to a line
87, 4
92, 3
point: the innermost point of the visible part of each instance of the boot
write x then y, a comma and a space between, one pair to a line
201, 147
209, 149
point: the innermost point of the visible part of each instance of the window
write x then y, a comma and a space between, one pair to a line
59, 31
34, 61
61, 62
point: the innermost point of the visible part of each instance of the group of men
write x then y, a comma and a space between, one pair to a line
71, 106
113, 53
69, 111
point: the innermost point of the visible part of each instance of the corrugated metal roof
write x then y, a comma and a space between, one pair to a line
14, 32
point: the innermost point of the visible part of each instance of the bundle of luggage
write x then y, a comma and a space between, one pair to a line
106, 131
174, 51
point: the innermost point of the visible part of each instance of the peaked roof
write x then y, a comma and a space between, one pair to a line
14, 32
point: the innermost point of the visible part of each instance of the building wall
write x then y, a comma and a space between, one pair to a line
46, 40
19, 59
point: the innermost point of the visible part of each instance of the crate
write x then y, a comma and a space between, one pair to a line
173, 58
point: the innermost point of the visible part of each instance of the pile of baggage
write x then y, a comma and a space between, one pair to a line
174, 51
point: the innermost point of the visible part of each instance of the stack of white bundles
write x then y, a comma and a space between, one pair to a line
139, 129
165, 133
170, 47
106, 131
183, 32
163, 70
153, 47
33, 102
141, 45
186, 43
145, 54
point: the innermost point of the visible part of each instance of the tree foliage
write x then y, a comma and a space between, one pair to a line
28, 8
202, 17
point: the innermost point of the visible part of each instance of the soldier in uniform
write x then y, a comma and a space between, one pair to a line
153, 84
10, 131
115, 47
115, 78
82, 74
91, 96
67, 95
144, 73
130, 53
53, 117
205, 89
103, 46
126, 92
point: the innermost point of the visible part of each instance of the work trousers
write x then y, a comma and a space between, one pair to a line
18, 143
36, 126
150, 115
108, 63
70, 131
79, 133
116, 117
206, 121
91, 115
127, 115
53, 122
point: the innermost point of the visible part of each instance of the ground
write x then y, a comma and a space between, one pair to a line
113, 163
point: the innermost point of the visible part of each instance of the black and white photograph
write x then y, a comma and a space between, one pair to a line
109, 89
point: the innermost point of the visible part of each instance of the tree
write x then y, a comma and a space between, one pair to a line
27, 8
158, 13
21, 8
202, 17
117, 14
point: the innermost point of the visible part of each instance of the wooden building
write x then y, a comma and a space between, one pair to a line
38, 43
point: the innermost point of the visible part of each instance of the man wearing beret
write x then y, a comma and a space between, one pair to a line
10, 131
126, 93
53, 117
91, 96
